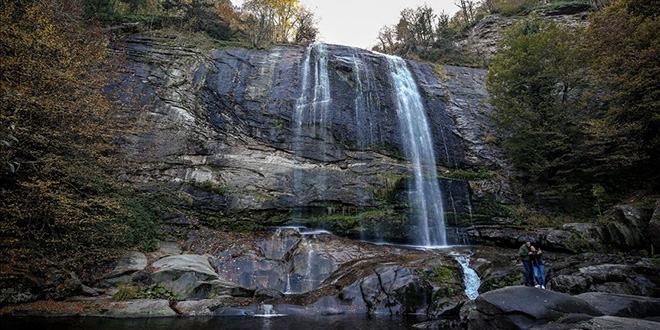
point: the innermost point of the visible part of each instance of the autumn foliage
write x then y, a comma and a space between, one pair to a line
59, 201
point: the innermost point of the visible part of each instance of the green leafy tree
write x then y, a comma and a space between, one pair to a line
625, 133
422, 34
535, 82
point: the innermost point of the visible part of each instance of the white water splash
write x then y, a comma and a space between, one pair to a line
267, 310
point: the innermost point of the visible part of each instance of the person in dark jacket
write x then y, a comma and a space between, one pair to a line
525, 252
538, 267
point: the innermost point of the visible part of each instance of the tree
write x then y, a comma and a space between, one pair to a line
260, 21
387, 39
535, 82
468, 10
625, 133
271, 21
59, 201
416, 27
305, 26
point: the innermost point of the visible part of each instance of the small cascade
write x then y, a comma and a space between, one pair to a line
287, 290
304, 263
363, 111
303, 267
266, 310
425, 195
363, 104
470, 277
453, 204
311, 116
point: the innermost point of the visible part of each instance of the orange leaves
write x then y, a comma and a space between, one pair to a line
52, 74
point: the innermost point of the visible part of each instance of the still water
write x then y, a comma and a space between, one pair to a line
207, 323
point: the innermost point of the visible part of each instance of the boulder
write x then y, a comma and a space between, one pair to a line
615, 323
627, 279
569, 284
19, 288
520, 307
202, 307
190, 275
629, 215
653, 232
623, 305
125, 270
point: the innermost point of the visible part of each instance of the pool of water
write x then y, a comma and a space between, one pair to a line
207, 323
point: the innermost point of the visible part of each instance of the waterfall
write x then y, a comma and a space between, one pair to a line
470, 277
365, 136
311, 109
424, 195
287, 290
312, 105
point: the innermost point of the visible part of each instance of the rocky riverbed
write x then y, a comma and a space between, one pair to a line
301, 273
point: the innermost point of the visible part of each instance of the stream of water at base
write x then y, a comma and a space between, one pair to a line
335, 322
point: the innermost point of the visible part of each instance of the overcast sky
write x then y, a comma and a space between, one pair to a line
357, 22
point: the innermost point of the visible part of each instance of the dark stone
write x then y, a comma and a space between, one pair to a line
524, 307
623, 305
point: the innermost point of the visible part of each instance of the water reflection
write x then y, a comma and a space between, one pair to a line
206, 323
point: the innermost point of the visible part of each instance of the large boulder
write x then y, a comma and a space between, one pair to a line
140, 308
639, 279
126, 271
601, 323
520, 307
623, 305
19, 288
191, 276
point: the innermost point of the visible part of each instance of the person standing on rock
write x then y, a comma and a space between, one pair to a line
538, 267
525, 252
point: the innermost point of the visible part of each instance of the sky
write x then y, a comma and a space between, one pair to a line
357, 22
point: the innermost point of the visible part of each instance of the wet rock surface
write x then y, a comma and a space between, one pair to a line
233, 131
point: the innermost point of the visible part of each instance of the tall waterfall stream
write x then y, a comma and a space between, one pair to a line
425, 196
311, 116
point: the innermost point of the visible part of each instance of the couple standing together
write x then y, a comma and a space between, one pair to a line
532, 259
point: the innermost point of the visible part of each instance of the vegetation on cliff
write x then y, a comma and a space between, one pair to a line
423, 34
578, 107
60, 201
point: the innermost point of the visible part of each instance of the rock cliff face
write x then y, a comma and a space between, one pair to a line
270, 136
481, 40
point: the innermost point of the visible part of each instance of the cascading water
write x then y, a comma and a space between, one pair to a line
470, 277
425, 195
312, 132
287, 289
311, 109
267, 310
365, 136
